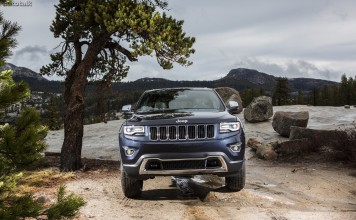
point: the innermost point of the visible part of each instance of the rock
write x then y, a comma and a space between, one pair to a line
334, 140
260, 109
42, 199
263, 151
346, 106
282, 121
274, 144
319, 137
266, 152
253, 143
296, 146
230, 94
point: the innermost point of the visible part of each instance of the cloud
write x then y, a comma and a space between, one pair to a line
288, 38
32, 57
291, 68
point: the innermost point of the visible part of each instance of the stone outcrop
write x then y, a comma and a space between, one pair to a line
263, 151
318, 137
260, 109
230, 94
282, 121
295, 147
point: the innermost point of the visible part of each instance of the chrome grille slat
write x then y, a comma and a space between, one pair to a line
181, 132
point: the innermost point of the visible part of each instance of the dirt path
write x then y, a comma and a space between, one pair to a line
273, 191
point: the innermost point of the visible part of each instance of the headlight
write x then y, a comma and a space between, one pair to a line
229, 126
134, 130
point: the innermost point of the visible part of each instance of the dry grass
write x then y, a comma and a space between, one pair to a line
32, 181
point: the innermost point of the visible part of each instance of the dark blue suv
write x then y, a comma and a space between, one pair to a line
181, 132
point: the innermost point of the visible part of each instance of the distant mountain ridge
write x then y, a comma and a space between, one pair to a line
23, 73
240, 79
251, 75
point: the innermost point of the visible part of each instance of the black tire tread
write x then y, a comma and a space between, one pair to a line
132, 188
237, 182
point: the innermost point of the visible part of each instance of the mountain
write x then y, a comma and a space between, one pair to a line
23, 73
33, 79
250, 75
240, 79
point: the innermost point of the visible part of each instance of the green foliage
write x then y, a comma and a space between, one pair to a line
11, 92
52, 114
7, 37
281, 91
66, 206
247, 95
23, 142
8, 182
335, 95
19, 208
129, 28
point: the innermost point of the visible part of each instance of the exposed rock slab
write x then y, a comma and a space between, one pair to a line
282, 121
260, 109
296, 146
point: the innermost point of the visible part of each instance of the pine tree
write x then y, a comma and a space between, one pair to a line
281, 91
21, 144
98, 37
300, 98
343, 91
52, 115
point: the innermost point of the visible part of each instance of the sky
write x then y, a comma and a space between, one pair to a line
304, 38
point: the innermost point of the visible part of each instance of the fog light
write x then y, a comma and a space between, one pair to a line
235, 147
129, 151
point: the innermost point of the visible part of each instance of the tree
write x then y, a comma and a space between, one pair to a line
344, 96
21, 144
98, 38
300, 98
281, 91
52, 115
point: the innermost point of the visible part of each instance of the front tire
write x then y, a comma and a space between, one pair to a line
237, 182
131, 187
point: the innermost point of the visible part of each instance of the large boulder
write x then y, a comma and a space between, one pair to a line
230, 94
319, 137
260, 109
296, 147
282, 121
340, 143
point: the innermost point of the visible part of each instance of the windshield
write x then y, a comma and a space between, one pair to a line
179, 100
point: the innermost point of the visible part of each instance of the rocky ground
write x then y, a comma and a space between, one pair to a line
305, 189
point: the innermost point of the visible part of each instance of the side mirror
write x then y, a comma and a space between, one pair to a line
127, 110
232, 107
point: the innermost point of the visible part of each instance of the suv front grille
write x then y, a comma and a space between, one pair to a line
210, 163
181, 132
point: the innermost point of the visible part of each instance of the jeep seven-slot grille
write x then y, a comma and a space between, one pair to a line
181, 132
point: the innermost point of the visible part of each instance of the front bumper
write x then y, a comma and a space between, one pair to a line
172, 151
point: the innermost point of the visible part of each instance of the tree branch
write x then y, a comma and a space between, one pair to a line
118, 47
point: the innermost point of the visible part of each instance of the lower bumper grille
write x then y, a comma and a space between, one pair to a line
158, 166
188, 164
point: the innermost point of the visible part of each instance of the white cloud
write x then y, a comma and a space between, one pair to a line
297, 38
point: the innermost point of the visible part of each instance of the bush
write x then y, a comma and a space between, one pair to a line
66, 206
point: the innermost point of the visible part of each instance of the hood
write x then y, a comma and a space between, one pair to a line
181, 118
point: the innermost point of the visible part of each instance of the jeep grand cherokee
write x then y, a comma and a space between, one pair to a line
181, 132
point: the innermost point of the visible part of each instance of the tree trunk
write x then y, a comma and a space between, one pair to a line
74, 114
